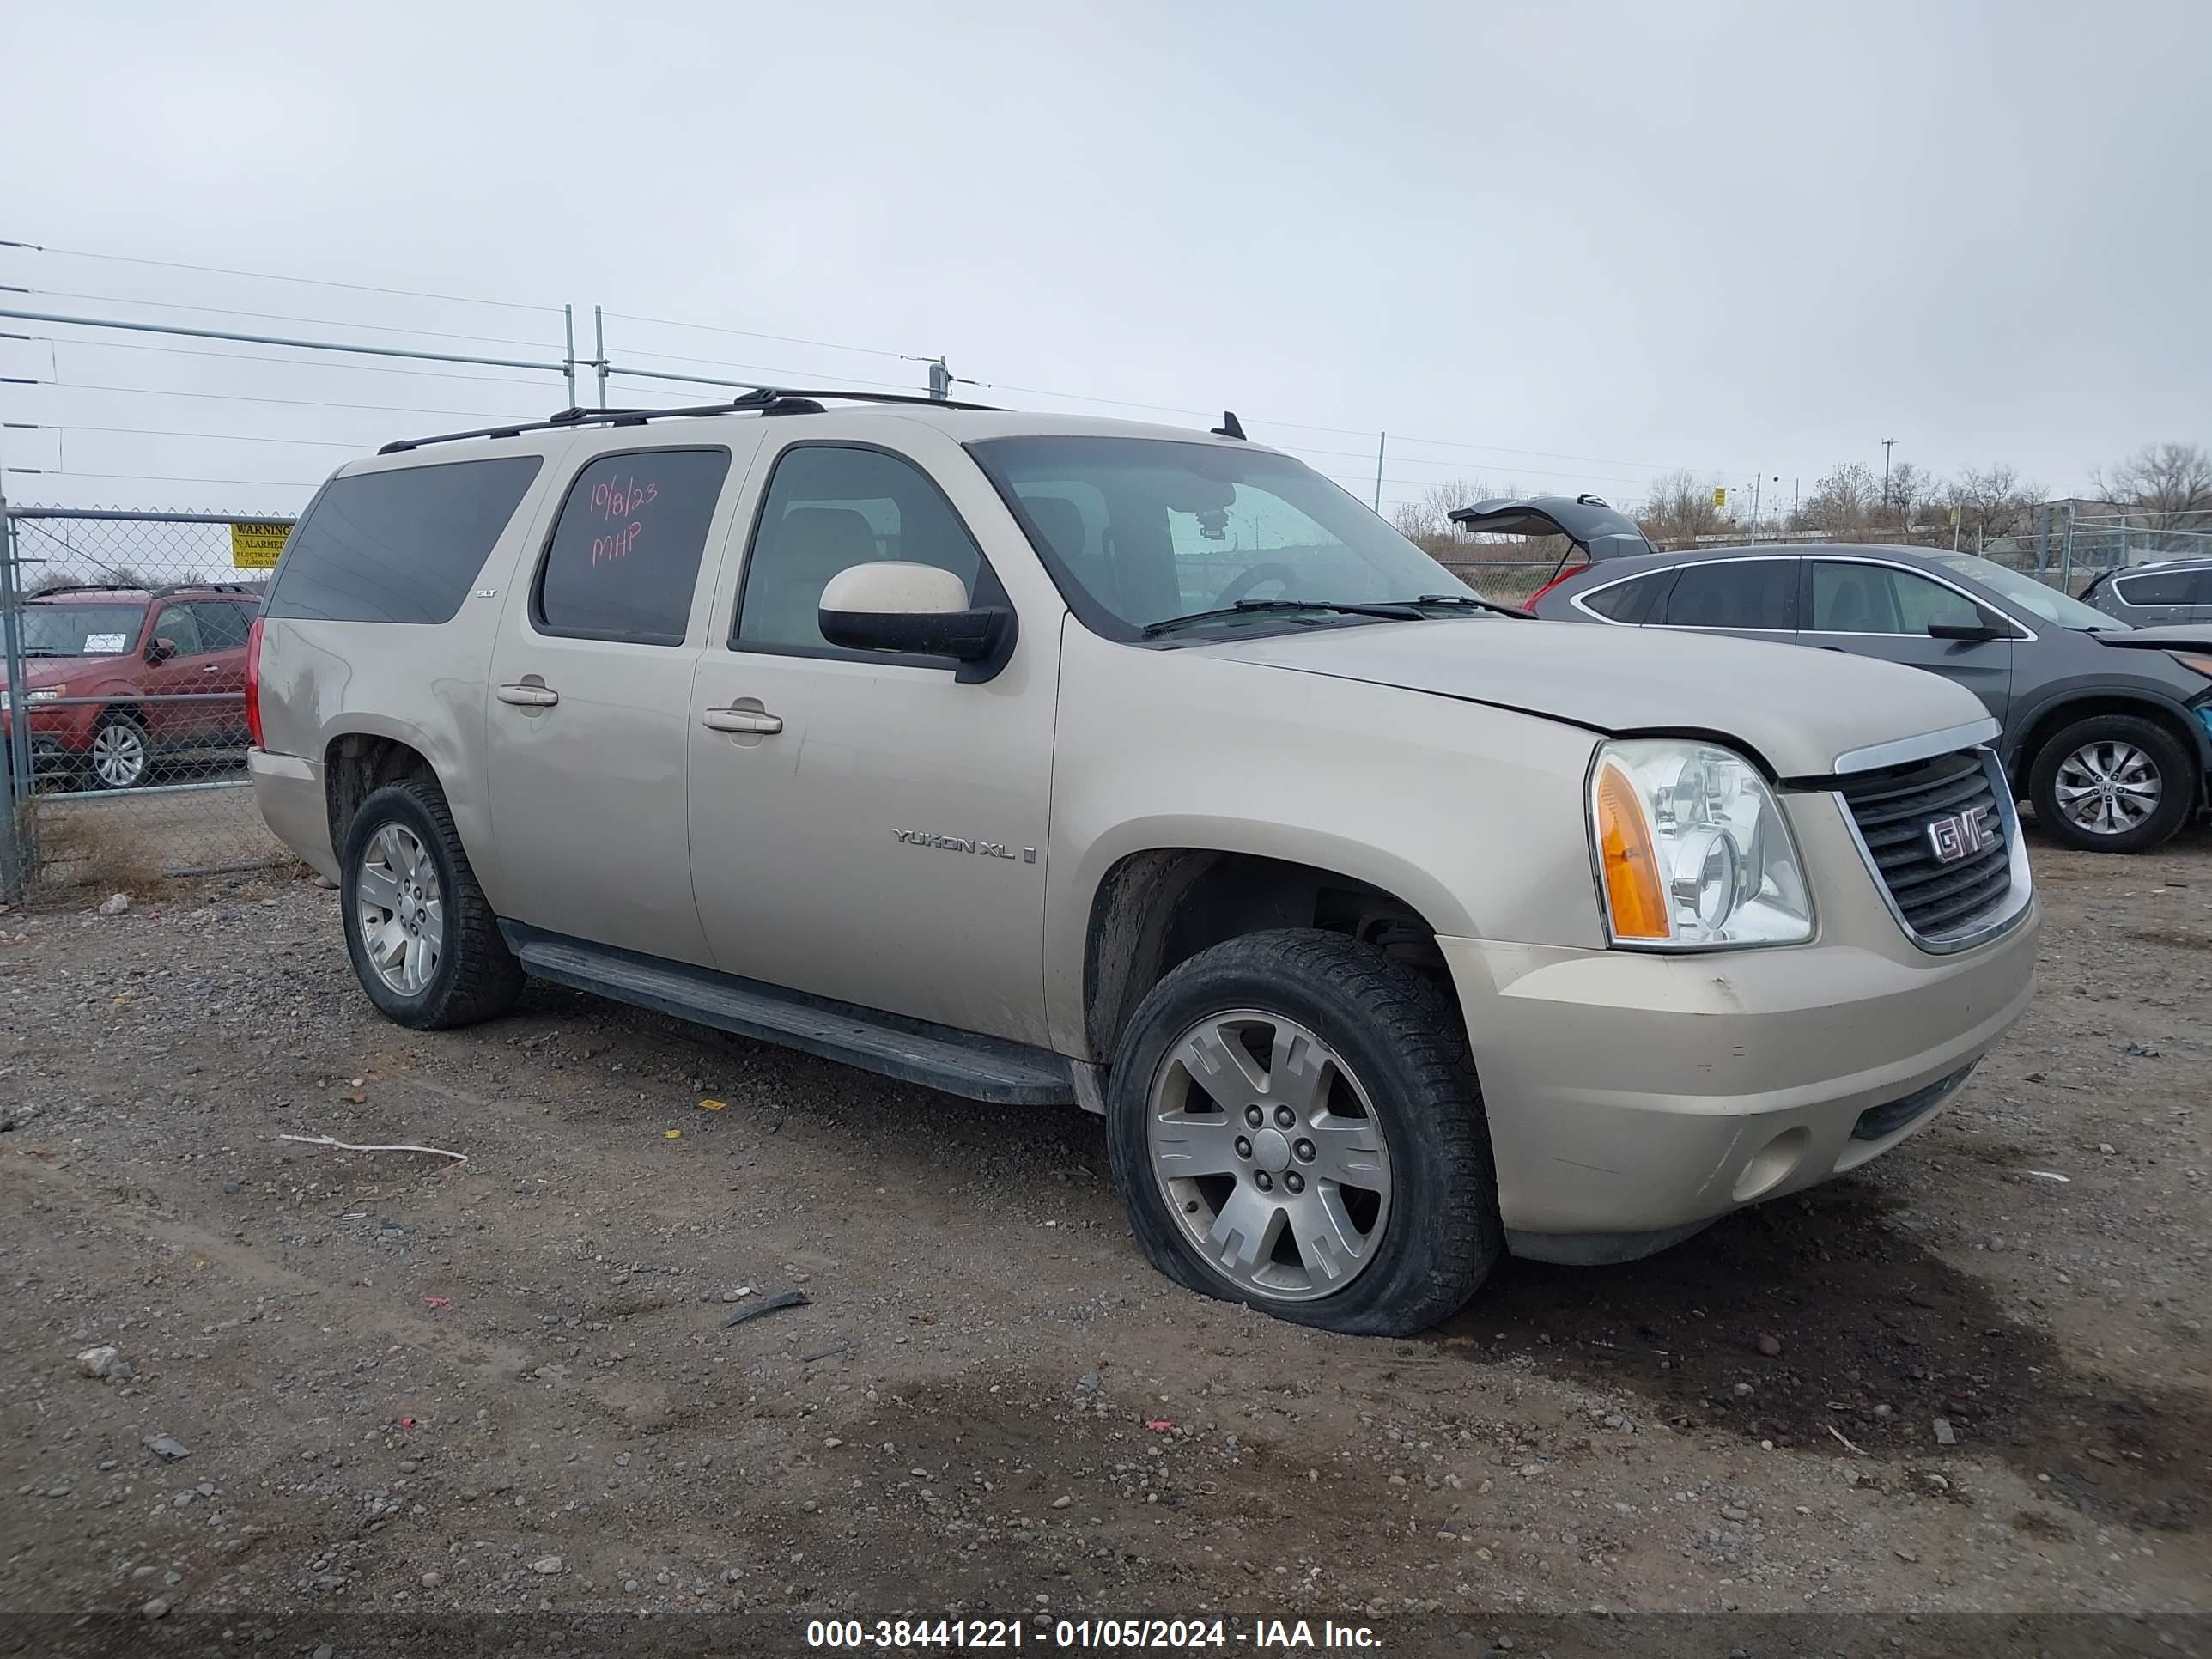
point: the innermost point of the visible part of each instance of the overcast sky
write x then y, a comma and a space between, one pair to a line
1733, 238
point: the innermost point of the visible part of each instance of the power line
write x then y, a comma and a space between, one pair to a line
160, 432
273, 277
790, 376
170, 478
296, 402
289, 363
750, 334
283, 317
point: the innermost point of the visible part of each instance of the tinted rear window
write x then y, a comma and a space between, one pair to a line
1630, 601
401, 546
1750, 594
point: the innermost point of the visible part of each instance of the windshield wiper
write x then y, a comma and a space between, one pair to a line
1468, 601
1390, 610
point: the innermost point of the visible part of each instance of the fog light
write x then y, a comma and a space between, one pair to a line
1775, 1162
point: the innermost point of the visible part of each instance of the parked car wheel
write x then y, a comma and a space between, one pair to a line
424, 943
1294, 1124
2112, 783
120, 756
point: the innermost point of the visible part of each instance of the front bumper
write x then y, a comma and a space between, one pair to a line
288, 790
1634, 1098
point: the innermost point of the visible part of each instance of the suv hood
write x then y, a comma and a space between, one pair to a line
1797, 708
54, 671
2175, 636
1587, 522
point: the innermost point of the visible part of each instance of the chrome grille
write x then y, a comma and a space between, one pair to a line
1938, 901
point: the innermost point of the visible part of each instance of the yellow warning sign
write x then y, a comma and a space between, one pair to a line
255, 546
1720, 496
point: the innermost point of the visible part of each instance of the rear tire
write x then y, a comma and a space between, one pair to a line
424, 943
2105, 770
1336, 1172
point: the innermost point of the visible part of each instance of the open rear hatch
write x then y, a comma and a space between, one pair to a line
1590, 524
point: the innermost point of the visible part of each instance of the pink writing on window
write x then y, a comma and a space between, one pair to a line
618, 545
611, 499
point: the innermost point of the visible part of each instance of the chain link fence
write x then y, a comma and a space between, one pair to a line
125, 711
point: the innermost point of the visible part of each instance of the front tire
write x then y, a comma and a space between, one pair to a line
424, 943
121, 756
2112, 783
1295, 1124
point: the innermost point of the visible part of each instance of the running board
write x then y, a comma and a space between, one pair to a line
911, 1050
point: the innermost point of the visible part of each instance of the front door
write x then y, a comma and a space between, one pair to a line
863, 827
174, 709
590, 701
1876, 610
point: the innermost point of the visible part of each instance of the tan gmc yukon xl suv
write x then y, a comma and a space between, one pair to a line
1042, 759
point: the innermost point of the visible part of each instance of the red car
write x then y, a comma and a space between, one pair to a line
117, 678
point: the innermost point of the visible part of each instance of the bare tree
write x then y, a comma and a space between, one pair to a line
1427, 520
2171, 481
1681, 508
1910, 489
1992, 502
1841, 501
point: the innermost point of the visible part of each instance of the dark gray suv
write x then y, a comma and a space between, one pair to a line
2153, 595
2108, 728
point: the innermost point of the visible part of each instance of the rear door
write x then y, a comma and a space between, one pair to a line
588, 724
2200, 595
223, 624
1872, 609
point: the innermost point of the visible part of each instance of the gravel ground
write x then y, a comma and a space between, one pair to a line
1948, 1384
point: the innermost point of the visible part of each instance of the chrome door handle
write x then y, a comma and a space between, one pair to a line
529, 697
752, 721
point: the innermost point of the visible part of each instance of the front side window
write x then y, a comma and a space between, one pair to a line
400, 545
829, 507
1753, 594
181, 628
81, 630
623, 562
1875, 599
1142, 531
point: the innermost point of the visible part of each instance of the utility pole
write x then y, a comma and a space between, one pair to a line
1885, 443
1382, 439
940, 380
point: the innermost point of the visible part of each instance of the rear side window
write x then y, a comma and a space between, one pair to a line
2168, 587
223, 627
1747, 593
399, 546
624, 558
1632, 602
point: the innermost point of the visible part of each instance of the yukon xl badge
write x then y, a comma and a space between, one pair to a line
988, 850
1961, 835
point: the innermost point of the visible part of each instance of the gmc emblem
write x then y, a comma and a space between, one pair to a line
1961, 836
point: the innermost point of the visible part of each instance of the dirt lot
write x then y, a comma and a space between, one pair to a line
408, 1388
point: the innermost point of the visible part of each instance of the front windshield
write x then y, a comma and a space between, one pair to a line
1149, 529
2031, 595
80, 630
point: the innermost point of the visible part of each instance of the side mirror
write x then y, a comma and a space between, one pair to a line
916, 610
1980, 632
159, 651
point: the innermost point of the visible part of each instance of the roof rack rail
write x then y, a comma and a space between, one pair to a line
159, 590
766, 400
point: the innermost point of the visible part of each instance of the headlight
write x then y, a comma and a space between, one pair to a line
44, 694
1692, 852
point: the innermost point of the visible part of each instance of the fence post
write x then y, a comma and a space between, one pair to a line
17, 853
2066, 554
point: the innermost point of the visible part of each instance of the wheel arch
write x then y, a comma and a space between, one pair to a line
356, 764
2054, 717
1157, 907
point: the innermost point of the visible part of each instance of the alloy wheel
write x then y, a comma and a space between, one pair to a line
1270, 1154
118, 755
2108, 788
401, 913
